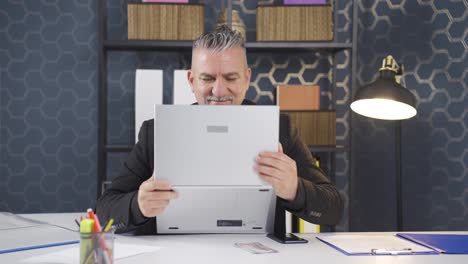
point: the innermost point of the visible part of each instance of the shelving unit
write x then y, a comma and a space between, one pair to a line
106, 45
152, 45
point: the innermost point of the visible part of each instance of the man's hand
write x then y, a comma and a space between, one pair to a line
280, 171
154, 196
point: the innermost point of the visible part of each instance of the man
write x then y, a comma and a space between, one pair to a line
220, 76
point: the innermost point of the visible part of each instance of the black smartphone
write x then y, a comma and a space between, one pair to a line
288, 238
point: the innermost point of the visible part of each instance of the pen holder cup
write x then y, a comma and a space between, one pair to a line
97, 247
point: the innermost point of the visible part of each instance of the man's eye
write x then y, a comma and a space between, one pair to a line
231, 79
207, 79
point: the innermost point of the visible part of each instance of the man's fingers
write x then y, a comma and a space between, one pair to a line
152, 185
154, 203
272, 162
271, 154
162, 185
280, 148
271, 180
148, 185
156, 196
274, 155
268, 171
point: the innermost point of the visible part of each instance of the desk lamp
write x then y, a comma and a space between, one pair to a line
386, 99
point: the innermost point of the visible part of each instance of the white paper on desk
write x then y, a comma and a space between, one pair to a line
35, 236
72, 254
363, 244
10, 221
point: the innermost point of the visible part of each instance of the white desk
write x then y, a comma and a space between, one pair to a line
208, 249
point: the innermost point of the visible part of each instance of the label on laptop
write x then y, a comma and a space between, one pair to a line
229, 222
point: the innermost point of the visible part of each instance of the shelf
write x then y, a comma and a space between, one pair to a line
119, 148
297, 46
150, 45
327, 148
174, 45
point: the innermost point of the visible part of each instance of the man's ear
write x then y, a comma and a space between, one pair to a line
248, 74
190, 78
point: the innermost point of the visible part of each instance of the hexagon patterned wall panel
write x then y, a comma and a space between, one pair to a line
430, 39
48, 56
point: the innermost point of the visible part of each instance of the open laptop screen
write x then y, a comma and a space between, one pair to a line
207, 153
198, 145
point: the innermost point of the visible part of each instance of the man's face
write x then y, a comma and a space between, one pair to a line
219, 77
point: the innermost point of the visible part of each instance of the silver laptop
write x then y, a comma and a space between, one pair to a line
208, 153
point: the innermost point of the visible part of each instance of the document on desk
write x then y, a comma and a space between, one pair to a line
36, 236
371, 244
72, 254
10, 221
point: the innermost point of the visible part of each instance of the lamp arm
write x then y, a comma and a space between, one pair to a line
390, 64
399, 74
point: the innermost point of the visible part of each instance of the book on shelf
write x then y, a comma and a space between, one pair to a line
162, 21
307, 227
294, 23
288, 221
304, 2
315, 127
298, 97
166, 1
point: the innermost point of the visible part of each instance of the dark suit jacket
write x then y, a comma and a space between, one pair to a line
317, 199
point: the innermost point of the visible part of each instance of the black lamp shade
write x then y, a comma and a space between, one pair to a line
384, 99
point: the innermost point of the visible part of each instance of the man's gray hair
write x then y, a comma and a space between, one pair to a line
220, 39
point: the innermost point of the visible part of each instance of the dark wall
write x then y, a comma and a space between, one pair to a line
47, 105
429, 38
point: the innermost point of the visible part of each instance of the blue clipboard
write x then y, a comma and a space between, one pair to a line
374, 245
443, 243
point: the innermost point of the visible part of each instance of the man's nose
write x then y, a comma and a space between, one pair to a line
219, 88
